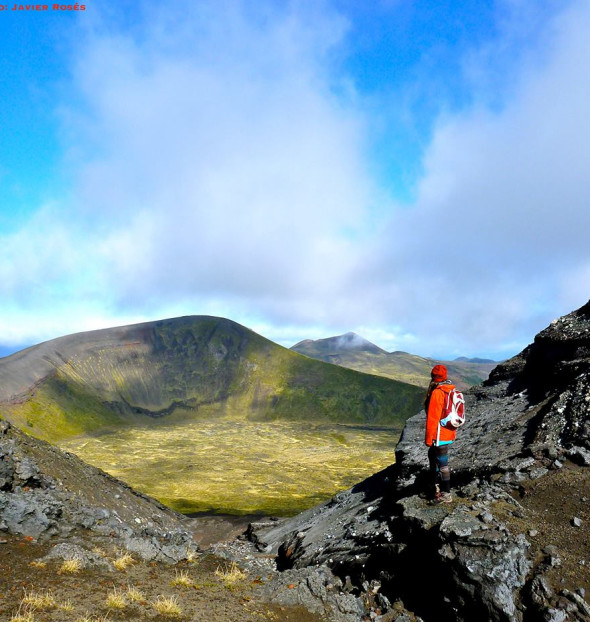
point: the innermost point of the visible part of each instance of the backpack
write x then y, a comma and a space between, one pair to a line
453, 414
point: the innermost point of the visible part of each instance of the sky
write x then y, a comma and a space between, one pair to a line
413, 171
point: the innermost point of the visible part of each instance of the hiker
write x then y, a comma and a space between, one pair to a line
438, 438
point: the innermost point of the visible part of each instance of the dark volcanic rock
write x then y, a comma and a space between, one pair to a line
46, 493
473, 559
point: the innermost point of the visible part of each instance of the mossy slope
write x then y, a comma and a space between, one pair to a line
197, 366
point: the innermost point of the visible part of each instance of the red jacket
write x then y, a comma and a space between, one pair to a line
434, 415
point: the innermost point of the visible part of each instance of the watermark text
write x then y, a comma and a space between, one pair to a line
42, 7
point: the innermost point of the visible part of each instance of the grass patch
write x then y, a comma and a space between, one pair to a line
68, 606
70, 566
181, 579
167, 606
38, 564
231, 576
241, 467
115, 600
123, 562
38, 602
89, 618
134, 595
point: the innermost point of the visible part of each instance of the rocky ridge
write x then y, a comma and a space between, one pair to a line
513, 545
50, 495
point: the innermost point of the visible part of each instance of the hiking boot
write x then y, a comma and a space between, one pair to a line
442, 497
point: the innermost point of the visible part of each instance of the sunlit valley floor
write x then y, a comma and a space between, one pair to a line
241, 467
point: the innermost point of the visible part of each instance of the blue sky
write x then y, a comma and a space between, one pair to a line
412, 171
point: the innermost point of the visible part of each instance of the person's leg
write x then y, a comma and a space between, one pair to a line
434, 471
442, 459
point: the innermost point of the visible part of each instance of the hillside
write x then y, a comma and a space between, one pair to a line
78, 545
185, 368
354, 352
512, 546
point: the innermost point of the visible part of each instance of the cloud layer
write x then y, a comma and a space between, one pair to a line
219, 163
499, 230
235, 174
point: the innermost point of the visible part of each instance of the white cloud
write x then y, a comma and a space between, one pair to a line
218, 172
227, 167
501, 218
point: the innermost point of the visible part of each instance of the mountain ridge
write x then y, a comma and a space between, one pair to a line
184, 367
355, 352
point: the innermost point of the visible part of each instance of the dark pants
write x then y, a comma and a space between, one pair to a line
438, 458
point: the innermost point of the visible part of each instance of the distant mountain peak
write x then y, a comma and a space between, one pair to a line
353, 341
337, 345
477, 360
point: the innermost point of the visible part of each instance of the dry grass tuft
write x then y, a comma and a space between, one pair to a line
67, 606
38, 602
134, 595
231, 576
123, 562
88, 618
37, 564
70, 566
22, 617
167, 607
182, 578
116, 600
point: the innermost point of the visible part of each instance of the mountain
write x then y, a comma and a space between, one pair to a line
333, 346
478, 361
355, 352
189, 367
512, 546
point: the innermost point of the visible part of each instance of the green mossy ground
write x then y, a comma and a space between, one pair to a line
241, 467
